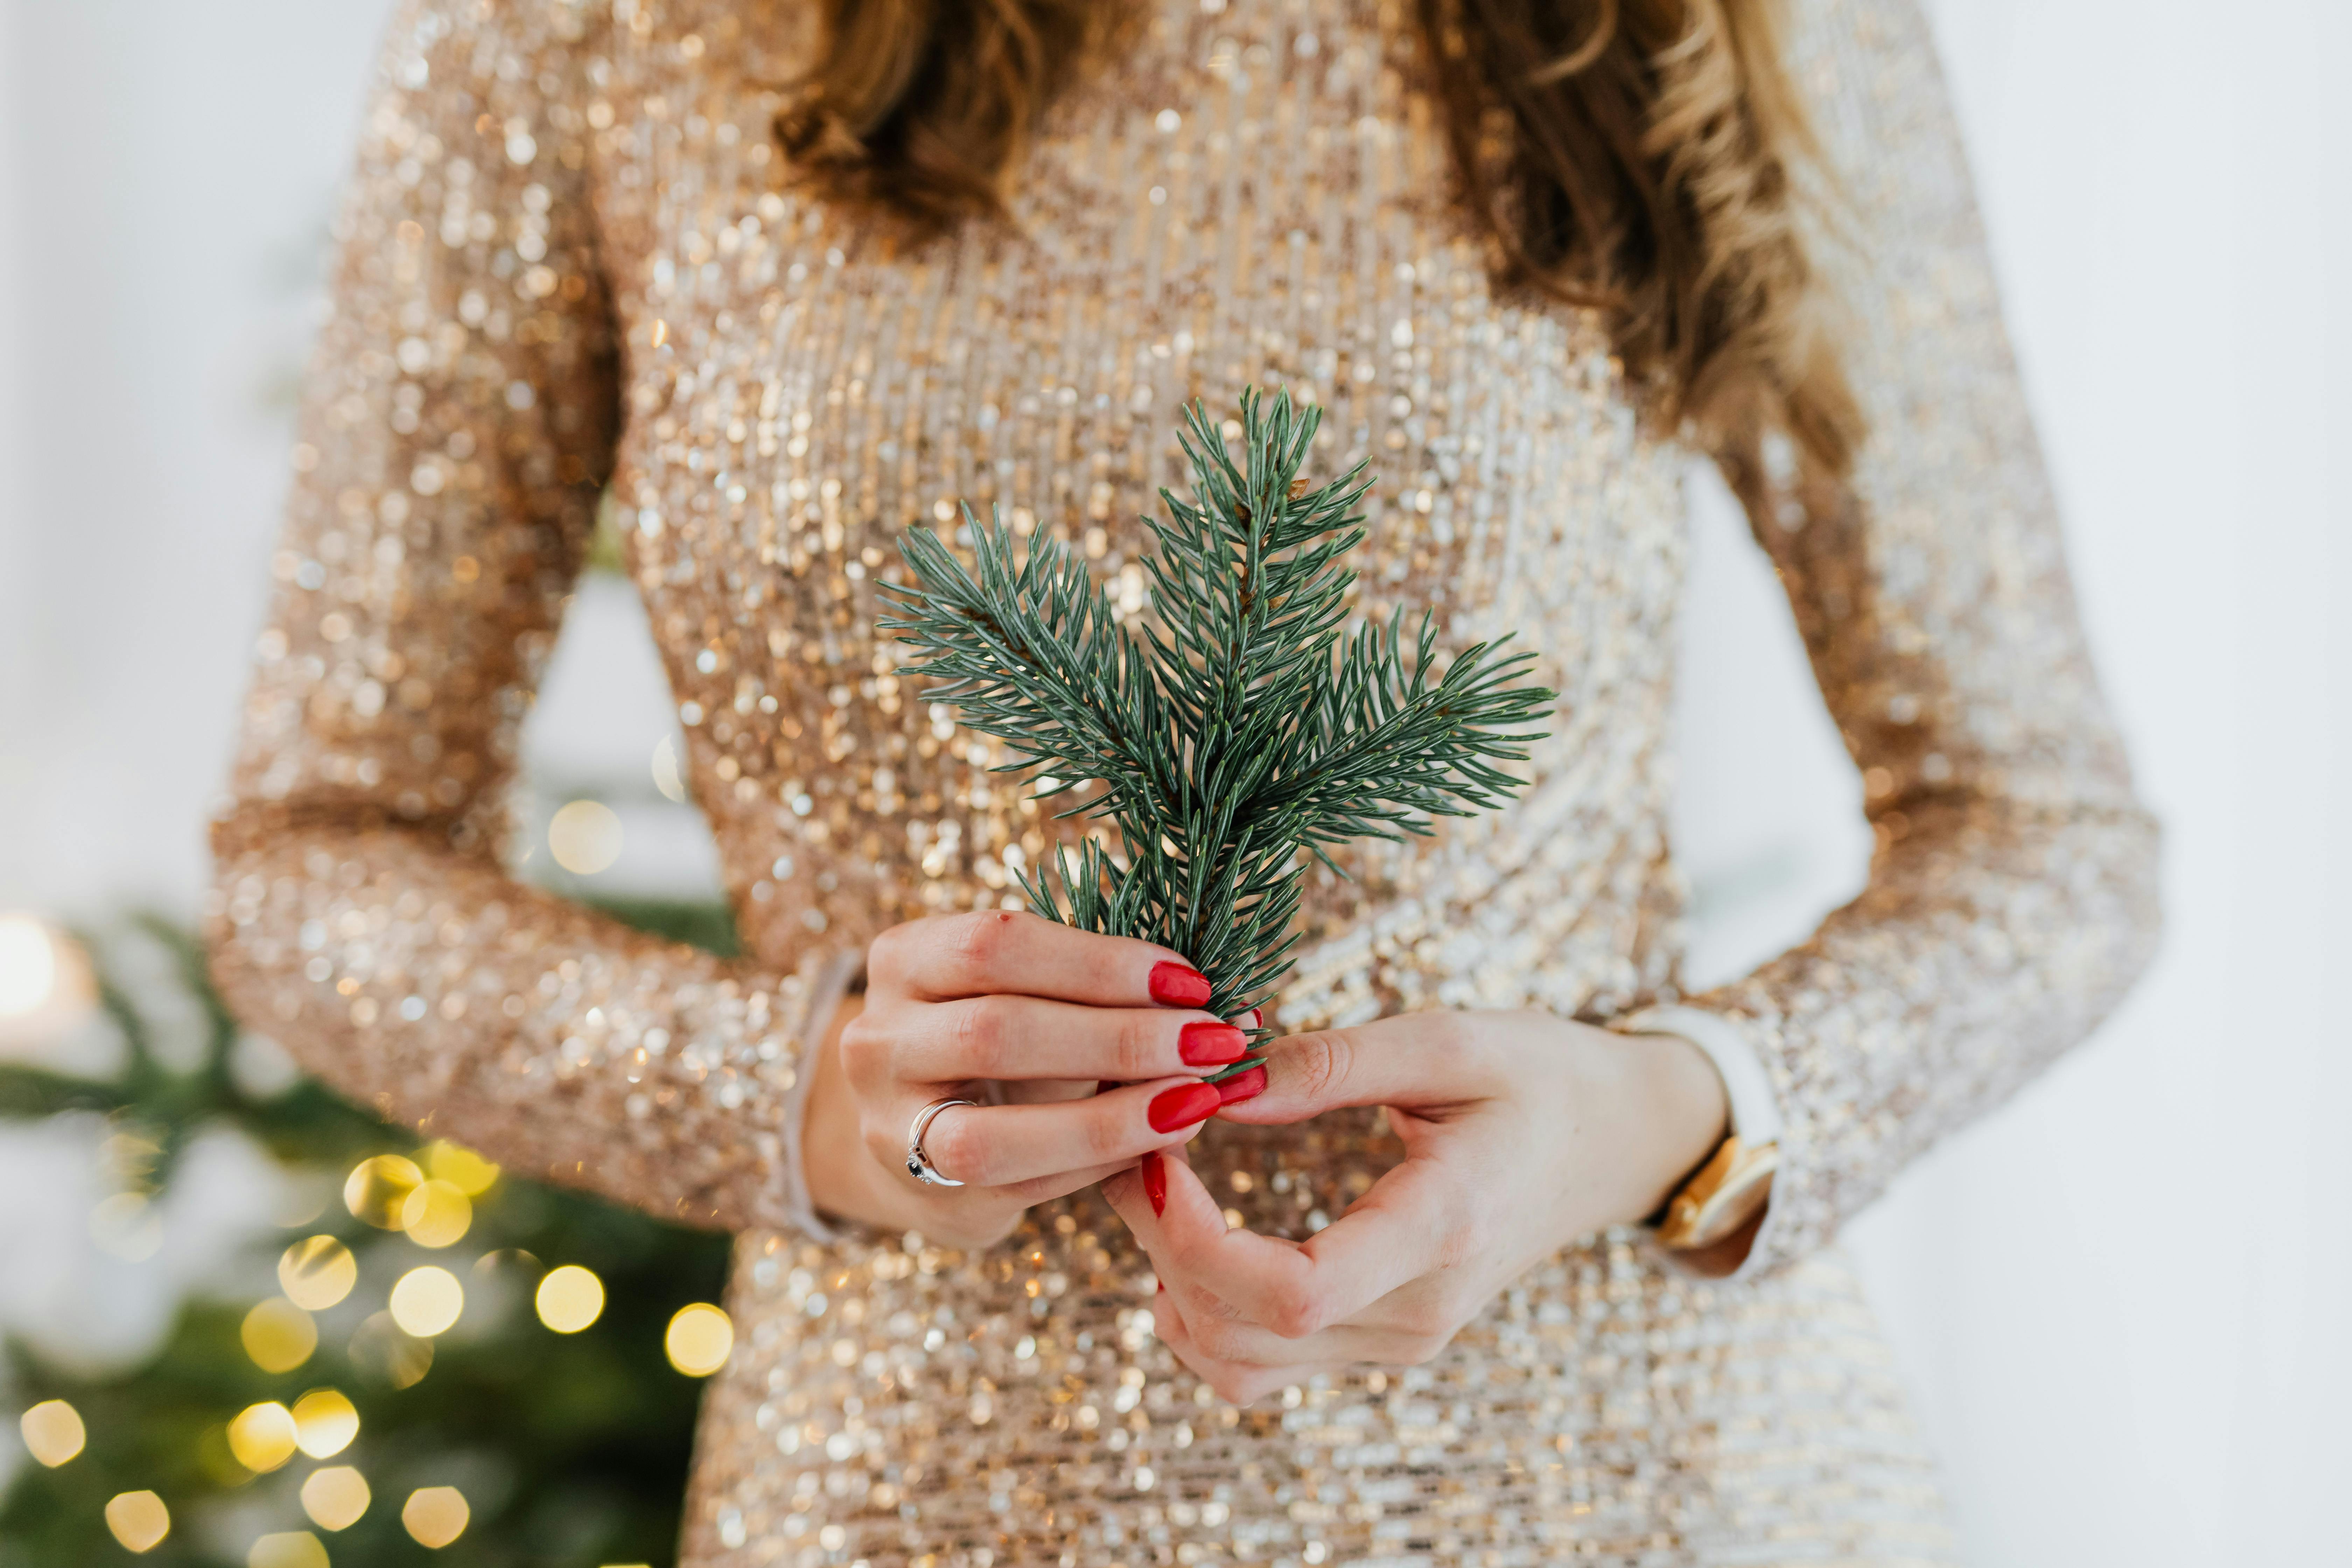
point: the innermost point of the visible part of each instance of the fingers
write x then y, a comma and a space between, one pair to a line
1237, 1382
1412, 1224
1001, 1146
1419, 1061
1009, 1037
995, 952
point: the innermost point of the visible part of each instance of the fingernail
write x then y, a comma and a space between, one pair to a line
1155, 1181
1159, 1286
1173, 1109
1256, 1018
1240, 1085
1179, 985
1210, 1044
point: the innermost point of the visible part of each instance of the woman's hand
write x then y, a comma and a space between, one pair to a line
1522, 1132
957, 1001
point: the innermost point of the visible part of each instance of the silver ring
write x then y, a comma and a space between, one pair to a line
918, 1164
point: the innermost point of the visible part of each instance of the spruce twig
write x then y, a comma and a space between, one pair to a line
1245, 724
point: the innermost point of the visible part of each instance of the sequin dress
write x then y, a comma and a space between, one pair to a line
569, 261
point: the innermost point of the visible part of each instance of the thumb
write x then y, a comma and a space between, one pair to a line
1422, 1061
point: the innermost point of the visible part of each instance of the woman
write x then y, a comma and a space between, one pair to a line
787, 279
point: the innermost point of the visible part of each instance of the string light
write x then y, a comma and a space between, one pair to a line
53, 1431
570, 1298
316, 1272
426, 1302
262, 1437
325, 1421
279, 1335
435, 1213
138, 1520
700, 1338
435, 1516
585, 836
377, 1188
336, 1497
461, 1167
288, 1549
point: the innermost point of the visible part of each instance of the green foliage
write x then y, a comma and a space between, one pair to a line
571, 1450
1247, 724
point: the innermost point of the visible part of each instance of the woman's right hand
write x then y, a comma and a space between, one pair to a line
955, 1002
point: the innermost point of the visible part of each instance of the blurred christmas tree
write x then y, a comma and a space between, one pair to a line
442, 1363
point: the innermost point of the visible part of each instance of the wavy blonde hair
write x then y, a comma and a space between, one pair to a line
1647, 167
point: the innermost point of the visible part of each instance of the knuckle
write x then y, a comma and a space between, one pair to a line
984, 1033
1296, 1309
889, 955
1104, 1130
1320, 1062
1142, 1047
977, 943
1220, 1338
960, 1148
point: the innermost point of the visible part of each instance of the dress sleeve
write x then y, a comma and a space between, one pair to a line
2011, 899
459, 422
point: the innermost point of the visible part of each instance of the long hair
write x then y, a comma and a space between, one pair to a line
1647, 165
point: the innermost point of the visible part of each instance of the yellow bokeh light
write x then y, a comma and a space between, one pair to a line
279, 1335
139, 1520
585, 836
287, 1548
436, 1214
53, 1431
335, 1498
380, 1349
570, 1298
461, 1167
316, 1272
700, 1338
377, 1188
325, 1423
435, 1516
427, 1301
262, 1437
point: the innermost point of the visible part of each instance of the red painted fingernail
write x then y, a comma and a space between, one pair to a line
1179, 985
1155, 1181
1175, 1109
1210, 1044
1240, 1085
1159, 1286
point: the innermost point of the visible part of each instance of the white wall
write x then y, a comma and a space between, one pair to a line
2120, 1301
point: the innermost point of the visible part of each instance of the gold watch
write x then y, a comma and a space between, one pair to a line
1729, 1192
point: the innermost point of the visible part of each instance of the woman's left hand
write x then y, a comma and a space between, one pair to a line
1522, 1132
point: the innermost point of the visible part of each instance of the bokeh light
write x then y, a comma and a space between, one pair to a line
426, 1302
435, 1516
279, 1335
699, 1339
377, 1188
570, 1298
138, 1520
287, 1548
585, 836
382, 1349
316, 1272
667, 776
325, 1423
262, 1437
336, 1497
45, 987
28, 965
53, 1431
461, 1167
436, 1214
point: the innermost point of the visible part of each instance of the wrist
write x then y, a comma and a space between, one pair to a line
1685, 1108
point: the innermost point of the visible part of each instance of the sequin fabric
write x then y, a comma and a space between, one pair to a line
569, 260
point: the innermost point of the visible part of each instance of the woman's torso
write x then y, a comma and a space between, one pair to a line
1255, 196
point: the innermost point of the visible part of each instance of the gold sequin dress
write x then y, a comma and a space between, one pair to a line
569, 260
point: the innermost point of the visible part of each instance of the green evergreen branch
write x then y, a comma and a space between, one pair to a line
1242, 726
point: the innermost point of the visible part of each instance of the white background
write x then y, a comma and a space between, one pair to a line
2122, 1303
